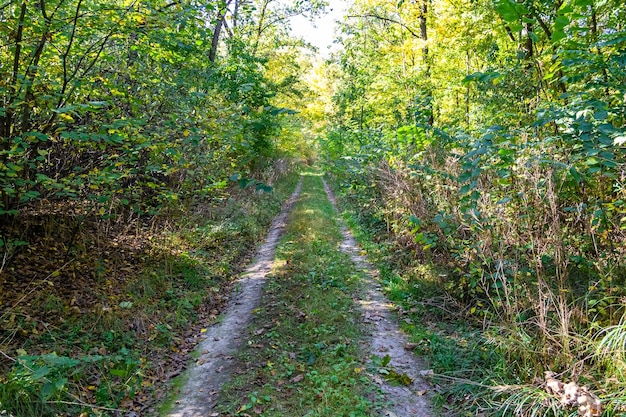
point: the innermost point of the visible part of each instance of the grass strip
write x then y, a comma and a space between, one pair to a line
302, 357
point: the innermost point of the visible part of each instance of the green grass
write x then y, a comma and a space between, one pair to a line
302, 357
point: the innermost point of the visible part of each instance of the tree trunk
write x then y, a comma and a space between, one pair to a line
31, 70
424, 31
423, 19
7, 119
221, 18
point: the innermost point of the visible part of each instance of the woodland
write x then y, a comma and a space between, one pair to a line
478, 148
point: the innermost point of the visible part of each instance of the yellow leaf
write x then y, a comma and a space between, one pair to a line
202, 330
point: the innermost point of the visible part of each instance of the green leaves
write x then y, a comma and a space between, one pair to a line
560, 22
382, 367
510, 10
245, 182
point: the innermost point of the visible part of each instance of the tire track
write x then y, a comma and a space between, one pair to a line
386, 338
213, 368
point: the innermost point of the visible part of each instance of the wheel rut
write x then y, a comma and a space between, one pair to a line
215, 364
386, 338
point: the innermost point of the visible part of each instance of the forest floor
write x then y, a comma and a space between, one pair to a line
307, 330
96, 315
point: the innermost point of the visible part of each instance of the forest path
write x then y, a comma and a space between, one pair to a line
222, 340
223, 350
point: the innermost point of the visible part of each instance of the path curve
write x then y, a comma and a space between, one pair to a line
214, 366
385, 338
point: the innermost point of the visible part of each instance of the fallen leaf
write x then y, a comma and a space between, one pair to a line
297, 378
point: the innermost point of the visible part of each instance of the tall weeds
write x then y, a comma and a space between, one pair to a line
534, 249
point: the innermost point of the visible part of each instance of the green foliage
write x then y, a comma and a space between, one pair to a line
37, 383
505, 169
167, 129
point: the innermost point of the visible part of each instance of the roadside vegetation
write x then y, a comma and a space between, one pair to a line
479, 147
110, 340
303, 355
144, 149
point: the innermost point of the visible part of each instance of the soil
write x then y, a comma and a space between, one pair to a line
215, 363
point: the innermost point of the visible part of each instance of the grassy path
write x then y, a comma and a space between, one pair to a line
309, 350
302, 355
308, 333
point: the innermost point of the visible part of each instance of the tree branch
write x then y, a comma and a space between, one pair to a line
386, 19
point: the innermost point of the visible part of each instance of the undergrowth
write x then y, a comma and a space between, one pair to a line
302, 355
101, 344
483, 366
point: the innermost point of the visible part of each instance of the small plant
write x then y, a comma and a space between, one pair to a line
381, 366
39, 385
255, 404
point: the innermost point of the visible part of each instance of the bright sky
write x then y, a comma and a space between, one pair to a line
322, 31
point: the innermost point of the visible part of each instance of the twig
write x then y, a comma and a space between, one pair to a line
461, 380
83, 404
7, 356
386, 19
35, 287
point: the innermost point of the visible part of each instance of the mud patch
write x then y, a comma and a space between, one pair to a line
385, 338
215, 363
